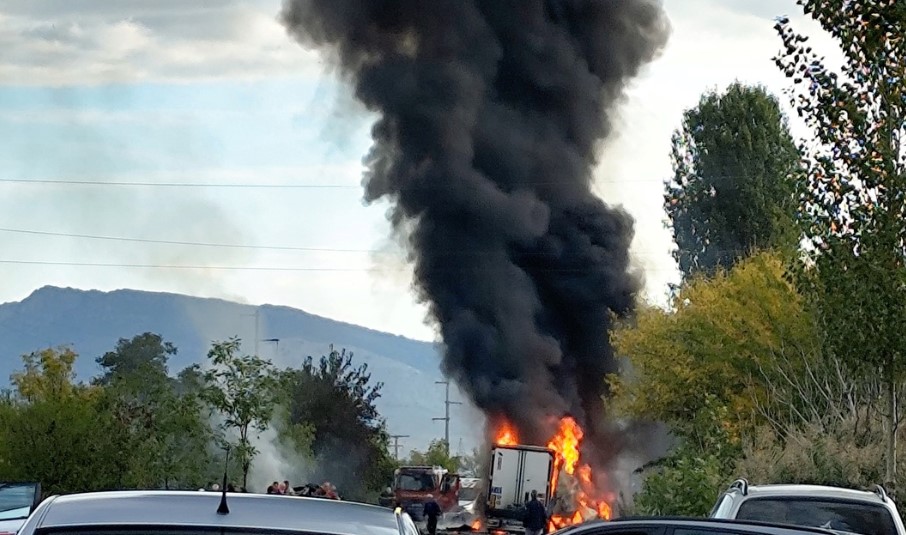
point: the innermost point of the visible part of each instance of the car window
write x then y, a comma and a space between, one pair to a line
16, 500
838, 515
416, 482
722, 508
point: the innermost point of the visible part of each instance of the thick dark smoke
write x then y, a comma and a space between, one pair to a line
491, 114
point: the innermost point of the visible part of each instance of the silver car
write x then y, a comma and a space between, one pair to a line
835, 508
203, 513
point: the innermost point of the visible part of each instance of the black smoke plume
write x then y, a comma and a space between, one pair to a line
491, 116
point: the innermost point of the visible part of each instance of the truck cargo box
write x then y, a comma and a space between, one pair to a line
516, 471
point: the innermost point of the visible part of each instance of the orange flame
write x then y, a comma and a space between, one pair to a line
566, 444
506, 435
585, 500
581, 498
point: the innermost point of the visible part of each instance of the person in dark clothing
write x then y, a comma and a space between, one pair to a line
535, 516
432, 512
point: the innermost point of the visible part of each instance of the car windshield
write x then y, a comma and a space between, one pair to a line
467, 494
416, 482
16, 500
838, 515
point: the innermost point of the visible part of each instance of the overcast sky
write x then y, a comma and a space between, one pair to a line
178, 91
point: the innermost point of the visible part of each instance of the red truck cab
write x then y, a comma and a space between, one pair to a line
413, 486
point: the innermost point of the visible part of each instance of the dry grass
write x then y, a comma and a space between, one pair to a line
813, 456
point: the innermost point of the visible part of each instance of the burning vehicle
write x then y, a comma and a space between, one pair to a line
565, 485
490, 119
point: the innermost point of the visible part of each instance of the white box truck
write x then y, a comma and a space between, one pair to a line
514, 472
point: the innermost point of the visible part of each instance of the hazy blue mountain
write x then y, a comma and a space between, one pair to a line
93, 321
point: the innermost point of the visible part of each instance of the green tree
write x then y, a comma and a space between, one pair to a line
240, 388
723, 339
159, 428
852, 196
48, 374
687, 482
734, 353
50, 427
436, 455
733, 188
142, 358
336, 401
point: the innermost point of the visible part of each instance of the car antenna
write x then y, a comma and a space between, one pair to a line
223, 508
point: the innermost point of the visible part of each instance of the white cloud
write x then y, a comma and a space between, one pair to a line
54, 43
61, 42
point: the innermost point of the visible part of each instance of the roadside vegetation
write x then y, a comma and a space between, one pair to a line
782, 357
136, 425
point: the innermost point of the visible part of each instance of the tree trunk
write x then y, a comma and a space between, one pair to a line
891, 470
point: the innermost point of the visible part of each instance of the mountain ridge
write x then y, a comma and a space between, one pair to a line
92, 321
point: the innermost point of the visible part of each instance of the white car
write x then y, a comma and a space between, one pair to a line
839, 509
17, 501
210, 513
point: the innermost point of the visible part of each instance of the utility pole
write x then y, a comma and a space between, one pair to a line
276, 342
257, 324
257, 316
446, 418
396, 445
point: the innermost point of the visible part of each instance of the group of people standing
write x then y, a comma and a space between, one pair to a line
324, 490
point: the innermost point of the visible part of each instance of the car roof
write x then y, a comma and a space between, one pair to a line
810, 491
182, 508
682, 521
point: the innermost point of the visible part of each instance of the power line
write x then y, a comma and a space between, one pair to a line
284, 185
271, 268
41, 181
175, 266
194, 244
248, 246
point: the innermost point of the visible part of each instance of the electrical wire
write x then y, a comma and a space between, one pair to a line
189, 243
240, 246
75, 182
257, 268
39, 181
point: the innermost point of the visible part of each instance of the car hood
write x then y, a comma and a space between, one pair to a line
11, 526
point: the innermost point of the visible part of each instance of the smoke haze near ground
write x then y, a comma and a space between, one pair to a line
491, 113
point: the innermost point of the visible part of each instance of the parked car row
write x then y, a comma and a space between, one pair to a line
741, 510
